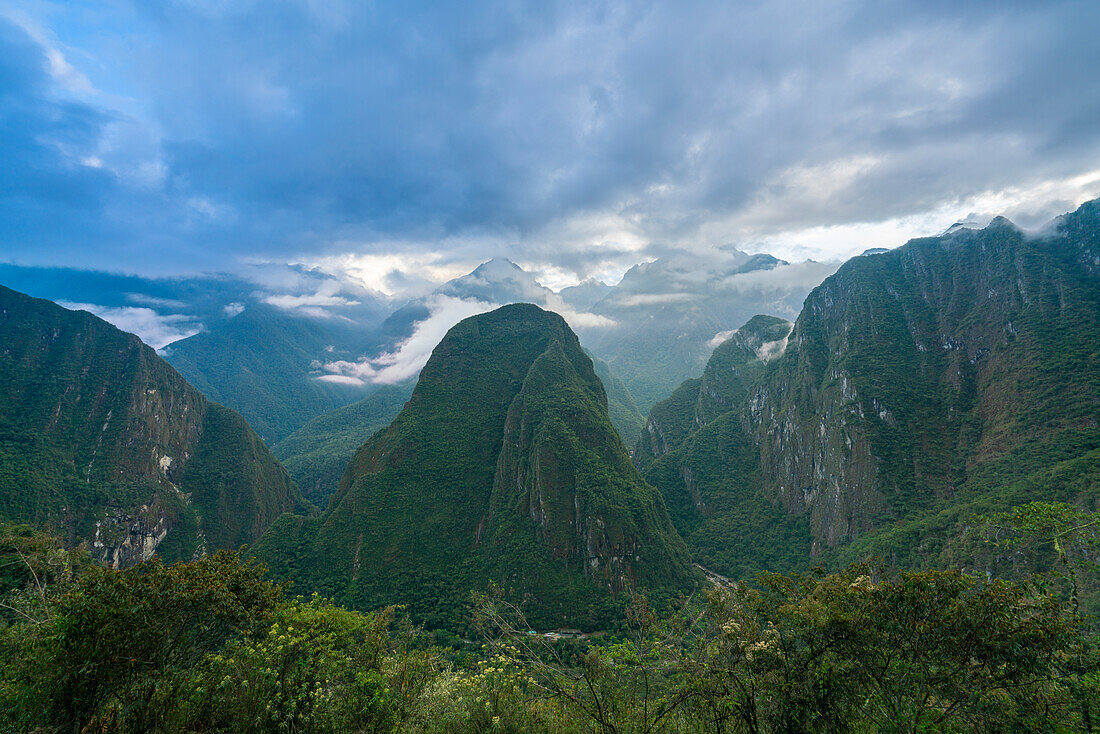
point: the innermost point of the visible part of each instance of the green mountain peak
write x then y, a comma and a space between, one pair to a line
502, 468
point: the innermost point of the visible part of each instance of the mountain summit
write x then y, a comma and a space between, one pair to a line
502, 468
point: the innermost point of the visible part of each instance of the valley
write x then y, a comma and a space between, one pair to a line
925, 401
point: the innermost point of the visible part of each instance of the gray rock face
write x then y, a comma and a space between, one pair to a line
909, 371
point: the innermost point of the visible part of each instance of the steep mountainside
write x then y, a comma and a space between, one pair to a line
696, 453
954, 375
733, 369
621, 408
263, 363
317, 454
952, 364
101, 440
503, 467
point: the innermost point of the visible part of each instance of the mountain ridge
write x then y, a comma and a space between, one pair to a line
105, 443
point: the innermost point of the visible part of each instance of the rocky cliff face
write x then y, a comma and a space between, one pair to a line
502, 468
912, 373
735, 366
106, 443
954, 375
570, 480
707, 467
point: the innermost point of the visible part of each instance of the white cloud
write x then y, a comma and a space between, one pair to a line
654, 299
233, 309
148, 300
720, 337
312, 304
393, 273
770, 350
341, 379
412, 354
156, 330
576, 319
1028, 205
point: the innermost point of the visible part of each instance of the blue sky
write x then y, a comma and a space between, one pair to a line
406, 142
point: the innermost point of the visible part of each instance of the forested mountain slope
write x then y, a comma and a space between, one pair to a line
953, 375
318, 453
102, 441
264, 363
503, 467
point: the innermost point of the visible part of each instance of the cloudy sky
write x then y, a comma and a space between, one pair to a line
404, 142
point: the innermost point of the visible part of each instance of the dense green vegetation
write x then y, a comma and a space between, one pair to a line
317, 454
713, 491
949, 367
504, 467
697, 453
952, 376
262, 363
101, 440
669, 424
621, 408
734, 367
212, 645
936, 410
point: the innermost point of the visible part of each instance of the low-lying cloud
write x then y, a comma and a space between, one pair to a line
155, 329
312, 304
412, 354
654, 299
794, 276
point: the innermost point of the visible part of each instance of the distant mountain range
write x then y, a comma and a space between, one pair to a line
669, 312
289, 350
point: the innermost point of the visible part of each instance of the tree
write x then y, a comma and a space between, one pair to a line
121, 637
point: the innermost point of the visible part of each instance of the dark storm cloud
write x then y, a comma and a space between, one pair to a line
569, 134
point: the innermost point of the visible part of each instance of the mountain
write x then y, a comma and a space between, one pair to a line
655, 328
621, 408
953, 375
694, 450
497, 281
255, 345
585, 294
185, 304
317, 454
951, 365
264, 363
102, 441
667, 314
733, 368
494, 283
502, 468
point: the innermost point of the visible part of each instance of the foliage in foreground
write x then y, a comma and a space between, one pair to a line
213, 646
